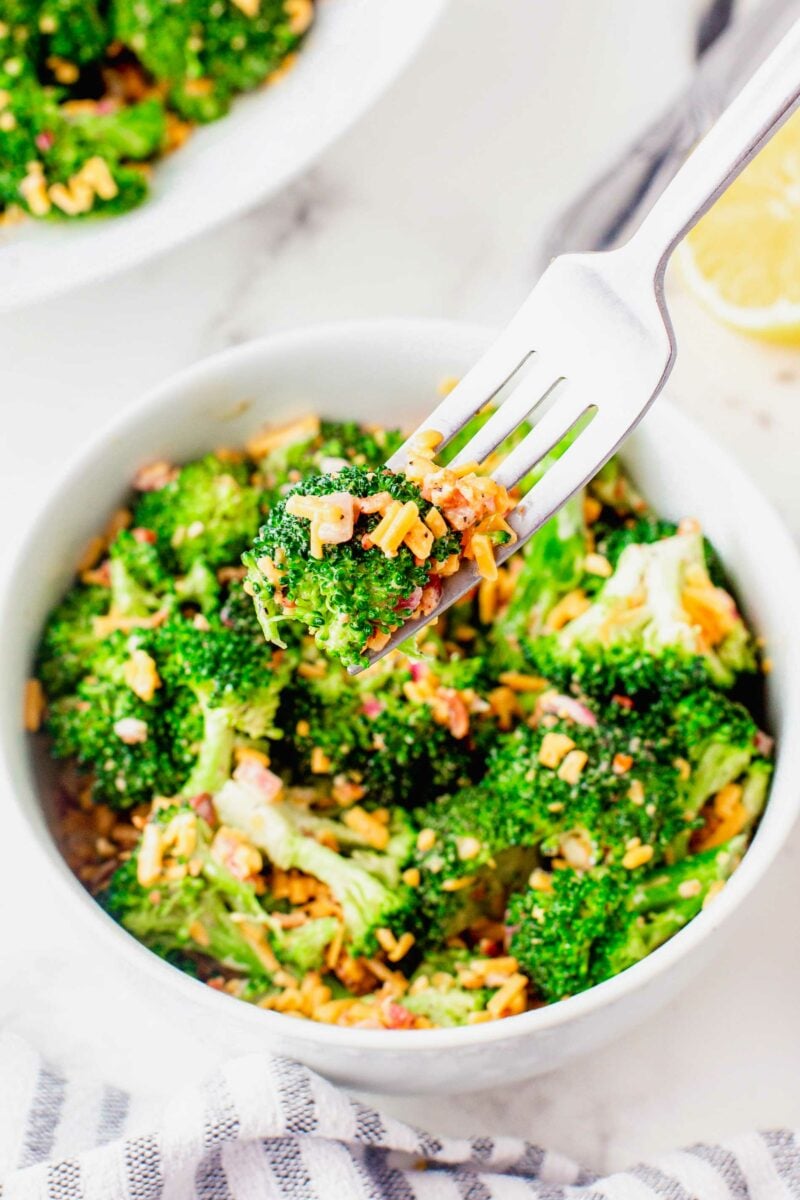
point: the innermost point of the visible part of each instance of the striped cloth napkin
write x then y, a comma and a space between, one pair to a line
264, 1128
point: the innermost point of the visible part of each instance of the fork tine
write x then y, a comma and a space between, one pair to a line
503, 359
524, 400
568, 408
579, 463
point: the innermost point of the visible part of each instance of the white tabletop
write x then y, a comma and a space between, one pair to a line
431, 206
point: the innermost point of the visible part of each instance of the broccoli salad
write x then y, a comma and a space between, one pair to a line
543, 787
93, 91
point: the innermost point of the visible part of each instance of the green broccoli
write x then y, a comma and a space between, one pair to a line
657, 625
584, 927
197, 907
323, 447
368, 730
286, 834
436, 993
235, 683
205, 53
209, 511
140, 583
69, 639
111, 732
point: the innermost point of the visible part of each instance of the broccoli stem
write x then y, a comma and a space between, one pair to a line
213, 763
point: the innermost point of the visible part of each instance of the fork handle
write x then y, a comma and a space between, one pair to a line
762, 106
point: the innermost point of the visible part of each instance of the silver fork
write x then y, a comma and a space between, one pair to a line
595, 332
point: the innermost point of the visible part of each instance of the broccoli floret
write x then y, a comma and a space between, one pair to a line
367, 729
353, 590
136, 132
205, 59
657, 625
554, 930
69, 639
644, 530
184, 910
235, 683
199, 586
437, 994
552, 565
140, 583
578, 928
73, 30
286, 834
662, 904
209, 511
121, 739
310, 447
302, 949
474, 847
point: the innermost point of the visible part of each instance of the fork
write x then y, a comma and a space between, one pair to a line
595, 335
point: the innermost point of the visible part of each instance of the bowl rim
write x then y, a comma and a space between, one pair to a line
768, 841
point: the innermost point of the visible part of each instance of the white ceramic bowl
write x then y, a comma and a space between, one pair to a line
388, 371
354, 51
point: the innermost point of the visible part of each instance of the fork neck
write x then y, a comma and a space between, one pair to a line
762, 106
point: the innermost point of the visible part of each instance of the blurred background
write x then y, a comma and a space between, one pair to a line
436, 204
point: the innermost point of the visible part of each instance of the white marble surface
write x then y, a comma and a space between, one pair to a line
431, 206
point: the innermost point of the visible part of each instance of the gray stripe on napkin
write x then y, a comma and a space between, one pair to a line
388, 1181
297, 1099
114, 1106
286, 1164
727, 1167
660, 1183
784, 1152
210, 1182
43, 1119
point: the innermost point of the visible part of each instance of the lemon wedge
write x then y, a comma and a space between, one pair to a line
742, 260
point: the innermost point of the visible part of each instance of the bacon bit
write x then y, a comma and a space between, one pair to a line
623, 701
232, 849
553, 749
254, 774
347, 791
154, 476
377, 503
457, 713
45, 141
278, 436
203, 805
621, 764
141, 675
146, 537
431, 595
33, 705
763, 743
566, 708
320, 762
131, 730
568, 608
395, 1016
372, 707
411, 603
